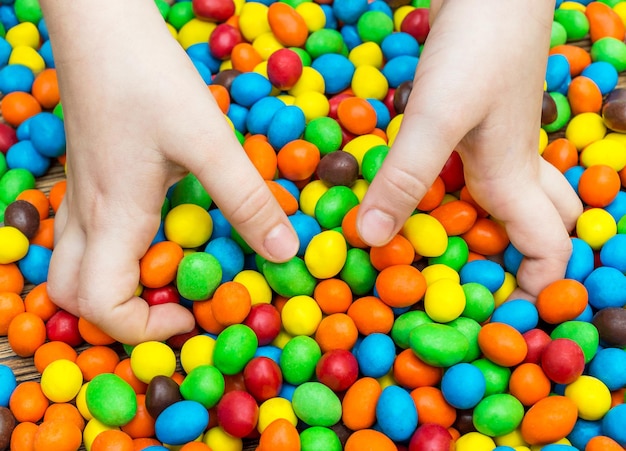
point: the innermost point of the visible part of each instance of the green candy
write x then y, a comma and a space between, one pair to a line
28, 11
165, 208
496, 377
575, 23
324, 41
58, 111
199, 274
3, 31
316, 404
3, 165
621, 225
421, 3
373, 160
333, 205
234, 348
358, 272
291, 278
245, 247
610, 50
3, 208
455, 255
111, 400
405, 323
163, 7
583, 333
299, 358
13, 182
563, 113
438, 345
374, 26
558, 35
470, 329
203, 384
304, 57
179, 14
319, 438
479, 302
325, 133
498, 414
189, 190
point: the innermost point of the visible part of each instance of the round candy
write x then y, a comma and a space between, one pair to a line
396, 413
318, 438
189, 225
111, 400
14, 244
47, 134
307, 399
584, 333
291, 278
463, 385
249, 87
7, 425
438, 344
606, 287
519, 313
61, 380
338, 168
34, 265
426, 234
8, 383
234, 348
152, 358
498, 414
263, 378
24, 216
591, 396
181, 422
375, 355
204, 384
479, 302
199, 274
563, 360
229, 255
237, 413
326, 254
595, 226
23, 155
301, 315
614, 424
162, 392
444, 300
337, 71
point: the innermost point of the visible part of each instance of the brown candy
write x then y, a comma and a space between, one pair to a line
401, 96
225, 78
7, 424
549, 112
338, 168
465, 421
162, 392
614, 114
23, 216
611, 325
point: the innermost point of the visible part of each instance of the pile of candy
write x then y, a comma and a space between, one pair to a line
406, 346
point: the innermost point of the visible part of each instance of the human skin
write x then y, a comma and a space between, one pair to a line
138, 117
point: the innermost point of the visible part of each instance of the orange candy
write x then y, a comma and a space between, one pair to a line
195, 446
584, 96
298, 159
348, 227
11, 278
45, 235
143, 443
125, 371
561, 153
433, 197
262, 155
26, 333
486, 237
11, 305
28, 403
359, 403
58, 435
23, 436
603, 443
203, 313
398, 251
46, 88
159, 264
456, 216
244, 57
285, 199
400, 285
92, 334
18, 106
64, 412
336, 331
38, 199
112, 440
221, 96
356, 115
51, 351
562, 300
529, 384
549, 420
142, 424
231, 303
411, 372
369, 440
38, 302
56, 194
279, 434
287, 25
371, 315
604, 22
578, 57
333, 296
97, 360
502, 344
598, 185
432, 407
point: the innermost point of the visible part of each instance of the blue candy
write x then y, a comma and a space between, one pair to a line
383, 116
375, 355
398, 44
584, 430
350, 36
261, 114
200, 52
581, 262
7, 385
45, 50
463, 385
557, 72
518, 313
350, 11
572, 175
614, 424
486, 272
249, 87
181, 422
16, 77
336, 70
34, 266
606, 287
238, 115
229, 254
613, 253
603, 74
512, 258
306, 228
24, 155
617, 208
203, 70
287, 125
608, 366
221, 226
400, 69
396, 413
47, 134
289, 186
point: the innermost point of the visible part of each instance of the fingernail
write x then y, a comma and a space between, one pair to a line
281, 243
377, 227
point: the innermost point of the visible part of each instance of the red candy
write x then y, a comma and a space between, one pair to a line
223, 39
237, 413
431, 437
284, 68
563, 361
63, 326
163, 295
214, 10
264, 320
416, 24
337, 369
263, 378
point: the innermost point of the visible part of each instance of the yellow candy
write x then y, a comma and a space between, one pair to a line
309, 196
25, 33
360, 188
197, 351
218, 439
369, 83
281, 339
173, 31
585, 128
572, 6
393, 128
595, 226
512, 439
620, 9
400, 14
359, 146
610, 152
301, 315
13, 245
29, 57
426, 234
61, 380
91, 431
226, 65
326, 254
286, 99
81, 402
313, 15
387, 380
444, 300
194, 32
259, 289
591, 396
474, 441
152, 358
273, 409
543, 140
507, 287
188, 225
266, 44
368, 53
310, 80
438, 271
253, 20
313, 104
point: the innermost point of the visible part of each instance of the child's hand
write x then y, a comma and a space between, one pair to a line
138, 117
478, 89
